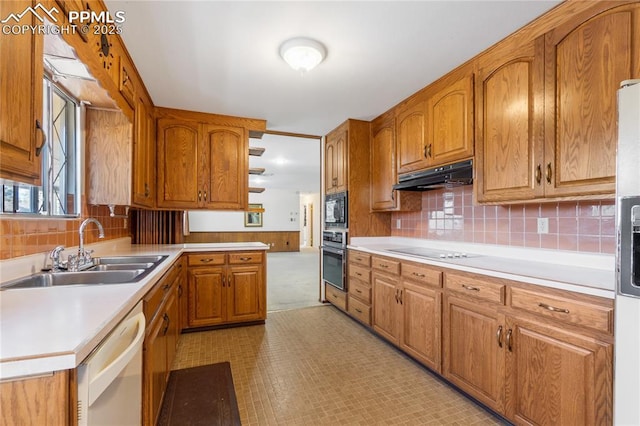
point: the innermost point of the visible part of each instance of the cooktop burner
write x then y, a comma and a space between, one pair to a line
432, 253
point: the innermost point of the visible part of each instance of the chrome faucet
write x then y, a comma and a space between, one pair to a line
84, 260
55, 258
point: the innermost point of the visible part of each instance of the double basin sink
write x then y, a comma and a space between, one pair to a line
107, 270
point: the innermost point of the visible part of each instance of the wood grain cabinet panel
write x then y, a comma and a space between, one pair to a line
386, 306
509, 125
410, 138
557, 377
144, 157
585, 63
384, 171
450, 123
244, 293
21, 133
336, 161
473, 354
206, 300
178, 163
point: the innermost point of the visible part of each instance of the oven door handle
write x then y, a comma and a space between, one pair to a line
332, 250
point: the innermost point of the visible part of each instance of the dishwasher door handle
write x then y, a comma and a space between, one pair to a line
100, 380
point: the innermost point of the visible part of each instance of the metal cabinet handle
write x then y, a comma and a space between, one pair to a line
470, 287
382, 265
146, 189
359, 259
166, 318
229, 281
397, 300
509, 335
418, 275
499, 336
358, 274
549, 173
180, 290
245, 259
358, 310
539, 174
207, 260
223, 281
166, 287
429, 150
553, 308
393, 195
199, 195
401, 302
44, 138
358, 290
205, 195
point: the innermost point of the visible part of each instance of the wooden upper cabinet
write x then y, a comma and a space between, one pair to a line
509, 124
585, 63
108, 154
383, 167
179, 160
336, 160
21, 135
410, 138
203, 160
384, 173
144, 157
450, 122
225, 178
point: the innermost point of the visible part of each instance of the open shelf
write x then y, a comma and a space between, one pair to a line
256, 190
256, 170
256, 151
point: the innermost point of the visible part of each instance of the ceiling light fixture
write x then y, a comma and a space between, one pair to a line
302, 54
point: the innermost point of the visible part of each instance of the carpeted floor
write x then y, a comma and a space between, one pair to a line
316, 366
293, 279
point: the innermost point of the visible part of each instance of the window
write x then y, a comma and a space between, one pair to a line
59, 194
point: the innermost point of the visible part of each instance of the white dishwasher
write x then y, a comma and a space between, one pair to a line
110, 379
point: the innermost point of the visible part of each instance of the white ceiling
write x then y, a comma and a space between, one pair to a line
222, 56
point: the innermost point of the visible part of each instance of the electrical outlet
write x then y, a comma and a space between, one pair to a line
398, 223
543, 225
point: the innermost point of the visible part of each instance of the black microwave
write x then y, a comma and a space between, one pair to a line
335, 210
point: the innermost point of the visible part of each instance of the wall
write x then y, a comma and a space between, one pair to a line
281, 214
21, 236
585, 226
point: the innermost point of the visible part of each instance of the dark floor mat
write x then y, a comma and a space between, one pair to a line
200, 396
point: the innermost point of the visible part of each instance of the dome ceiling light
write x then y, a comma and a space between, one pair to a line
302, 54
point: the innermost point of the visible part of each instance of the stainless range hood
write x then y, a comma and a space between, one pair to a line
450, 175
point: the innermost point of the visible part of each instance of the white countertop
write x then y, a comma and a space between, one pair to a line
55, 328
586, 273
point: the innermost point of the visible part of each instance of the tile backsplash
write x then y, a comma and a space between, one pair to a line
450, 214
25, 236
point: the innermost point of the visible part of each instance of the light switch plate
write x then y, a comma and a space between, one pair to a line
543, 225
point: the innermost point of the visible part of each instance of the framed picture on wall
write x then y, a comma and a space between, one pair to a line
253, 216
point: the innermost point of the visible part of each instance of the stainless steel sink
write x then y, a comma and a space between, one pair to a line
108, 270
52, 279
120, 266
116, 260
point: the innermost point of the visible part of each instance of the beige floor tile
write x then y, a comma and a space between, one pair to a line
316, 366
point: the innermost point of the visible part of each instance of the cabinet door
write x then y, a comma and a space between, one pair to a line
386, 306
410, 138
421, 314
450, 123
144, 157
172, 312
473, 357
509, 125
585, 63
21, 68
336, 161
179, 160
244, 290
155, 371
206, 301
383, 167
225, 175
557, 377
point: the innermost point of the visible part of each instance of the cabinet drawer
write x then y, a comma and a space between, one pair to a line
360, 273
422, 274
476, 288
360, 290
245, 257
336, 297
565, 309
154, 298
359, 258
359, 310
385, 265
206, 259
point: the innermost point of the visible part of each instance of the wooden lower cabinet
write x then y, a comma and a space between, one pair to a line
232, 290
555, 376
42, 400
473, 341
162, 311
386, 306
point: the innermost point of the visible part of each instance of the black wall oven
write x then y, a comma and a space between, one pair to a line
335, 212
334, 258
